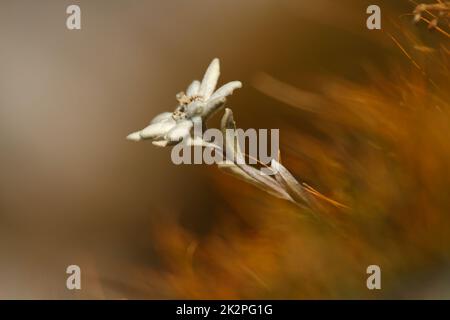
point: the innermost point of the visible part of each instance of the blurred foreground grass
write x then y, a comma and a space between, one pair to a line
380, 146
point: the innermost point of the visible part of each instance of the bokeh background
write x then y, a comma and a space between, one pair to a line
359, 120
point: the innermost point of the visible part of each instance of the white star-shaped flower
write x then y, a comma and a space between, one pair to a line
198, 104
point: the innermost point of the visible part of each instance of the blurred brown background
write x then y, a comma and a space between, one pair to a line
74, 191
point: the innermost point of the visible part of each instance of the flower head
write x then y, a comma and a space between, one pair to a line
196, 105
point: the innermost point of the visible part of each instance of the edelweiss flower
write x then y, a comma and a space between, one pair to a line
197, 105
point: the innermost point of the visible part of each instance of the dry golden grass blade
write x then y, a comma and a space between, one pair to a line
442, 31
410, 58
316, 193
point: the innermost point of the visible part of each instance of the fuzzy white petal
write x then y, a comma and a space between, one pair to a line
160, 143
161, 117
135, 136
193, 88
226, 89
198, 141
195, 108
181, 130
212, 106
157, 129
210, 78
